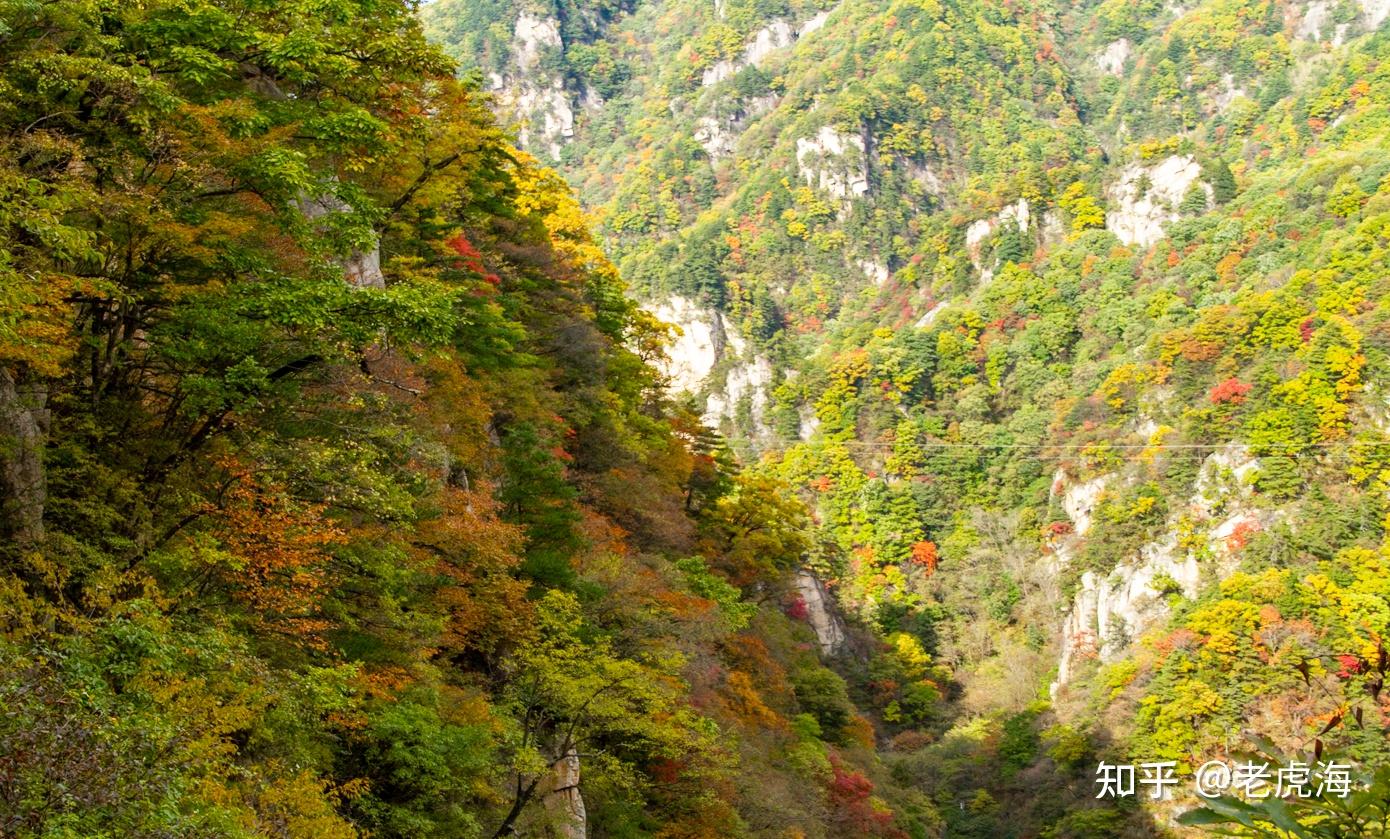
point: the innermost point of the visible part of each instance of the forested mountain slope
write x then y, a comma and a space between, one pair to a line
340, 496
1069, 323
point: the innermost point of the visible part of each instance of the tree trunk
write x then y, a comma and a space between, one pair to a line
23, 487
519, 802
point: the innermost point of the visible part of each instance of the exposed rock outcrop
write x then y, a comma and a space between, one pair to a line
750, 379
874, 270
717, 72
821, 613
1145, 199
1316, 16
1319, 21
808, 423
712, 134
718, 133
1016, 214
531, 36
541, 105
564, 805
926, 175
1374, 12
1112, 59
1228, 93
1051, 230
361, 267
1079, 500
547, 117
812, 24
708, 339
926, 319
693, 354
1111, 610
835, 162
775, 36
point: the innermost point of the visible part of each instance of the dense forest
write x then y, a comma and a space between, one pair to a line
671, 418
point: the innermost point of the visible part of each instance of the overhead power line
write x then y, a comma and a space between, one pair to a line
866, 444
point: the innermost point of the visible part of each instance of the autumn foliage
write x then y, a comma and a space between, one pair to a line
278, 563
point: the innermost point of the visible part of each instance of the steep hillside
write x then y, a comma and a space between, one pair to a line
338, 494
1068, 321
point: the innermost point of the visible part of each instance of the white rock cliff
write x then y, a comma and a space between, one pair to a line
1145, 199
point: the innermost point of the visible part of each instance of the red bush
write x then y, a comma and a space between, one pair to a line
472, 259
1351, 665
924, 554
1305, 330
1231, 391
1241, 535
849, 794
